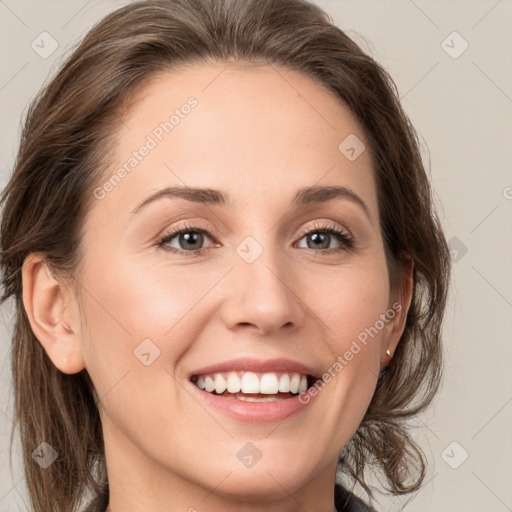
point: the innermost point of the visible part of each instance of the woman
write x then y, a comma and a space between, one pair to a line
229, 277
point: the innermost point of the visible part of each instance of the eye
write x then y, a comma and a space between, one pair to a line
190, 239
320, 237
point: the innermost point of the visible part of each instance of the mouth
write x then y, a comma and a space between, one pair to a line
251, 386
255, 390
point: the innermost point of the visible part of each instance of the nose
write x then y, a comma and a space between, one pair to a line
262, 295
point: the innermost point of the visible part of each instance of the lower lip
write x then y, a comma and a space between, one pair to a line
264, 412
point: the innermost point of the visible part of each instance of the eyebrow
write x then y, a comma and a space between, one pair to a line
208, 196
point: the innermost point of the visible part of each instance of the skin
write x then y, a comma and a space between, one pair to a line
259, 135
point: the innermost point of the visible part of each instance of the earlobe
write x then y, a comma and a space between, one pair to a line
401, 306
48, 303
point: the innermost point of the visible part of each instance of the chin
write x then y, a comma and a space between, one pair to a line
264, 481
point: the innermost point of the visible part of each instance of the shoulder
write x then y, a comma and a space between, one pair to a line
345, 501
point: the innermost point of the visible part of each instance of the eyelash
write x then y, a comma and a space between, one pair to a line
340, 234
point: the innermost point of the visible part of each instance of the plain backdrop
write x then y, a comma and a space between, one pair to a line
452, 63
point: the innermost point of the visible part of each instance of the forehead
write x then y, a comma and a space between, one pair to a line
250, 130
243, 93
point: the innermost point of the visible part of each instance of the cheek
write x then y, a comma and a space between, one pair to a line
351, 309
351, 306
351, 303
140, 302
134, 317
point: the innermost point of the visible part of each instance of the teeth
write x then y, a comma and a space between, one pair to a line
209, 384
249, 398
220, 383
269, 384
252, 383
303, 384
284, 383
295, 383
234, 383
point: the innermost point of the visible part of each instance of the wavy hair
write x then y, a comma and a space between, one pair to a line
64, 150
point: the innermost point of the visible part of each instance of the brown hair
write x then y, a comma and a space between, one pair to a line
64, 151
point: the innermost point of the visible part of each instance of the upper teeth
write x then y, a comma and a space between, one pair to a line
250, 382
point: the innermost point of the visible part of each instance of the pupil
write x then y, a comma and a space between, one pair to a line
190, 238
316, 236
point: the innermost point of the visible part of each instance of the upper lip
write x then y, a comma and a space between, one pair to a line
257, 365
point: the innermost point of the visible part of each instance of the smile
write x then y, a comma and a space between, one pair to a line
255, 390
253, 386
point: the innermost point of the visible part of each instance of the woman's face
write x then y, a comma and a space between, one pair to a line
244, 288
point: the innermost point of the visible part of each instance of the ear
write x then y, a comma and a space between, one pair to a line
400, 302
51, 310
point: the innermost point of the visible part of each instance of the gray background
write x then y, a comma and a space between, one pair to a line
461, 106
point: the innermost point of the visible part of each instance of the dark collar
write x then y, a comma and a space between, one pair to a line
346, 501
